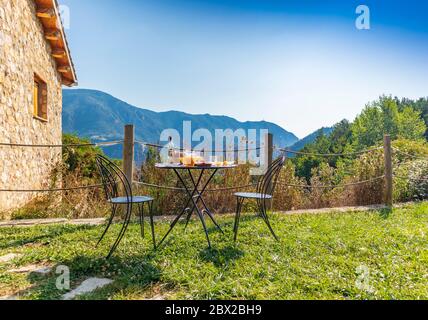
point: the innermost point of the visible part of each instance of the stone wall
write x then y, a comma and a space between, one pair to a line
23, 53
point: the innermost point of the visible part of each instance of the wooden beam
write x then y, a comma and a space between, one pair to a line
64, 69
47, 13
58, 53
52, 34
67, 82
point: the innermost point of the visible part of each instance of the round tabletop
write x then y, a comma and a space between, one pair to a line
196, 167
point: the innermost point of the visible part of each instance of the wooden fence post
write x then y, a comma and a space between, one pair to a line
388, 171
128, 152
268, 138
270, 148
270, 160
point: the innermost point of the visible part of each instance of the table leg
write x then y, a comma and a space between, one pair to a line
183, 211
200, 197
192, 198
172, 226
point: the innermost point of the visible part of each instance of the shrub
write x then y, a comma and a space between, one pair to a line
411, 170
78, 168
80, 159
286, 196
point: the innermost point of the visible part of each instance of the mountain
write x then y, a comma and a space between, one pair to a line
101, 117
299, 145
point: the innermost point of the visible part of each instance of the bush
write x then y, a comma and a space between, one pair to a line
287, 197
80, 159
411, 170
78, 168
418, 179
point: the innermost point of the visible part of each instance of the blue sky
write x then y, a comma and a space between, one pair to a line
300, 63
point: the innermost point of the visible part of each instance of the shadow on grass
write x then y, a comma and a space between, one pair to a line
221, 257
53, 233
385, 212
132, 271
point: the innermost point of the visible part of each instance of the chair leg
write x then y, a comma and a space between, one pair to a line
141, 215
239, 202
172, 226
266, 219
209, 214
188, 218
122, 231
152, 225
113, 214
201, 217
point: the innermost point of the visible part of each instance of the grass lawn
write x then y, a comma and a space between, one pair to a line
357, 255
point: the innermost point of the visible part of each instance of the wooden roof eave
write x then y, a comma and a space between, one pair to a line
49, 16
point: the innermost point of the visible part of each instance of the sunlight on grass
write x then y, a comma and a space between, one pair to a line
318, 257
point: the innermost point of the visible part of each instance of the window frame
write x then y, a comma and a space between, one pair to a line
40, 99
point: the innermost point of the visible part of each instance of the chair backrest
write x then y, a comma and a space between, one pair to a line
113, 179
267, 183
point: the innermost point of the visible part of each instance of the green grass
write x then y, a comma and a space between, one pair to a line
318, 257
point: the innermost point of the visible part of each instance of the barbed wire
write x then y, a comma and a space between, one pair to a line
144, 143
159, 146
157, 186
183, 189
208, 190
410, 178
94, 186
347, 154
77, 145
410, 155
303, 186
279, 184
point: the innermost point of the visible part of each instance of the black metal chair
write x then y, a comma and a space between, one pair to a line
264, 194
118, 192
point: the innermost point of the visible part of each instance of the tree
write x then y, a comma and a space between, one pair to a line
410, 124
420, 106
384, 116
374, 121
82, 158
399, 118
335, 142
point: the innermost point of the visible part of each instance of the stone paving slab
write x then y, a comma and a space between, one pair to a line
33, 268
335, 210
39, 222
89, 222
9, 257
31, 222
87, 286
9, 298
100, 221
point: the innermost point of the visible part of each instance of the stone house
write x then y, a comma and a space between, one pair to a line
34, 64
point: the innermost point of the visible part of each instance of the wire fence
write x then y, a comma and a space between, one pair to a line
411, 178
151, 185
348, 154
94, 186
159, 146
332, 186
98, 144
77, 145
157, 186
412, 156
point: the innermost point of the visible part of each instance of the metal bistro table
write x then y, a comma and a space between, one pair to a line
195, 193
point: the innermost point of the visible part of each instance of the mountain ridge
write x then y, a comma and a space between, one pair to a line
299, 145
100, 116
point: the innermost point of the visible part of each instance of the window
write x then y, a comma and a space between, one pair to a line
40, 99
